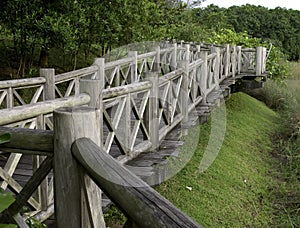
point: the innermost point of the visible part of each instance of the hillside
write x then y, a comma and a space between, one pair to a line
235, 190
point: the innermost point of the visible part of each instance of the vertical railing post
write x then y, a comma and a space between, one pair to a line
151, 113
185, 86
227, 60
204, 74
94, 88
174, 57
264, 60
134, 66
157, 61
217, 68
259, 58
48, 94
49, 87
75, 199
239, 59
233, 60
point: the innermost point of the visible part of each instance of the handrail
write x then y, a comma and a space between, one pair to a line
72, 74
138, 199
24, 112
122, 90
22, 82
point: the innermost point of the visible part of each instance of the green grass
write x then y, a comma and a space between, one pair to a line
235, 190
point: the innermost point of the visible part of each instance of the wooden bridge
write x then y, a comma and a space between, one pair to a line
88, 122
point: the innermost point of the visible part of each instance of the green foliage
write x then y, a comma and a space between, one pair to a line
4, 138
6, 200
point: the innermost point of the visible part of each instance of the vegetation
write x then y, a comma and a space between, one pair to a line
67, 34
285, 98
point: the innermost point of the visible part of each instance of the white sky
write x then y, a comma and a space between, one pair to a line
289, 4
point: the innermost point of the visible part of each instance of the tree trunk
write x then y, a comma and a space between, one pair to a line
43, 61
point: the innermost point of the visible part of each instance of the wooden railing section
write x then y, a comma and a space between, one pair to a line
139, 100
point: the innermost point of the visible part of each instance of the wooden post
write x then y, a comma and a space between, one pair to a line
264, 60
227, 61
49, 94
239, 59
174, 57
217, 67
9, 98
134, 73
49, 87
70, 200
204, 73
100, 74
185, 86
151, 113
233, 60
259, 58
157, 66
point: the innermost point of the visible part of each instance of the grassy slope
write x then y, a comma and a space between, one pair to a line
235, 190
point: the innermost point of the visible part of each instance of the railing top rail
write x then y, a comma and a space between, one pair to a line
22, 82
81, 72
118, 62
28, 111
123, 90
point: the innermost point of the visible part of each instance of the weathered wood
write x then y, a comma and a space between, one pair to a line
123, 90
22, 82
17, 187
185, 86
259, 61
28, 139
94, 89
70, 201
49, 86
142, 204
32, 110
76, 73
30, 186
133, 66
11, 166
151, 113
204, 74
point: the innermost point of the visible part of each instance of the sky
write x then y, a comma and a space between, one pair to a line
289, 4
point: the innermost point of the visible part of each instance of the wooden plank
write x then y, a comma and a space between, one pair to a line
129, 192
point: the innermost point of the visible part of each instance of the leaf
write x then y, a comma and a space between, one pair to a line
5, 201
4, 138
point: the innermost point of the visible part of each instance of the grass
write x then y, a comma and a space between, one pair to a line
285, 98
235, 190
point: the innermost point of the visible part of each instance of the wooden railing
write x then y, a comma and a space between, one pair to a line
139, 100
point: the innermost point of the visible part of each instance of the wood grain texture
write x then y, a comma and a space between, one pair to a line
144, 206
72, 208
24, 112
